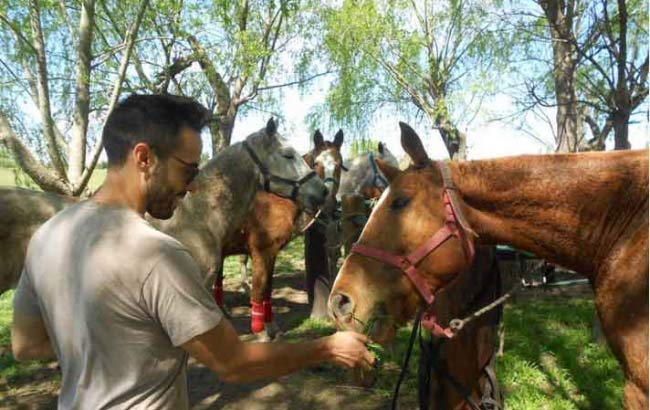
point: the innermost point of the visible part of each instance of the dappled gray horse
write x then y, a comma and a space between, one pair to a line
362, 182
226, 188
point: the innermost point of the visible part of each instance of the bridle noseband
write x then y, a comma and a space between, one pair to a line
269, 177
455, 225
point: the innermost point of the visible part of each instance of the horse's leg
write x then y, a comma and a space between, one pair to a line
244, 286
317, 271
262, 320
217, 287
621, 290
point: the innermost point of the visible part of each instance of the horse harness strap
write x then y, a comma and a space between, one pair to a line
377, 174
269, 177
455, 225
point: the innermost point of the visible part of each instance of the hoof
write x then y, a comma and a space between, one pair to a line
273, 330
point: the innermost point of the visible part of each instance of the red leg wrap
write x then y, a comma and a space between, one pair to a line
268, 310
257, 317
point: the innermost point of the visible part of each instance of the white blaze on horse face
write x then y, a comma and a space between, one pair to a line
327, 160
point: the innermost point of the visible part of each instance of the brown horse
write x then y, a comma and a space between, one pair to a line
587, 212
270, 225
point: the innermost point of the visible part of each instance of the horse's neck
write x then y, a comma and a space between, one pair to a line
226, 191
358, 168
571, 209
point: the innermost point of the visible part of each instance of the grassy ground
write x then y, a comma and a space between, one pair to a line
550, 360
13, 177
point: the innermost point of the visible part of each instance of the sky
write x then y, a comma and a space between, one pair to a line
485, 139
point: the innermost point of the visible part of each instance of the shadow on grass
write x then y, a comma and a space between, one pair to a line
552, 338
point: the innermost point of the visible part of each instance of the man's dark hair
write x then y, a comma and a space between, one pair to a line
153, 119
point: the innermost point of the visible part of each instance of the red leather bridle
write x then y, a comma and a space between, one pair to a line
455, 225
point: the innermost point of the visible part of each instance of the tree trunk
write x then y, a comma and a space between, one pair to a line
621, 138
221, 128
77, 153
564, 67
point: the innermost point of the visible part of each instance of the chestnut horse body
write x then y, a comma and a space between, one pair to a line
587, 212
269, 226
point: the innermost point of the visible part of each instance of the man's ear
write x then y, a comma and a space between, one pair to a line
143, 156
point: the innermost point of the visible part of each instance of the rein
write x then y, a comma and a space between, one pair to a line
455, 226
269, 177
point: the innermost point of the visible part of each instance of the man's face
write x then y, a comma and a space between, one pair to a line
174, 176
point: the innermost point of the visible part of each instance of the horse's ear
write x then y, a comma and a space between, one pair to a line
271, 128
380, 148
319, 141
389, 171
338, 139
413, 145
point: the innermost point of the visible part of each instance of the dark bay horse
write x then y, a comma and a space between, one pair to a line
587, 212
269, 226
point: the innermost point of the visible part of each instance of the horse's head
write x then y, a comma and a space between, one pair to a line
284, 172
326, 160
365, 178
373, 292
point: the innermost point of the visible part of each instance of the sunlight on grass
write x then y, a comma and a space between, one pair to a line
551, 360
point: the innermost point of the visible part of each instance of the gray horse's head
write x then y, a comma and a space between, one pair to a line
282, 170
363, 176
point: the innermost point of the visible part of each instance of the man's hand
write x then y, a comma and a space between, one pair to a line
348, 349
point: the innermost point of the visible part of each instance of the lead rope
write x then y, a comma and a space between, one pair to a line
405, 365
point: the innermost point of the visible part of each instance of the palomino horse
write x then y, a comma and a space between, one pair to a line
226, 189
270, 225
587, 212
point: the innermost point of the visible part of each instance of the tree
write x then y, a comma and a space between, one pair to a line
63, 71
436, 59
238, 46
595, 75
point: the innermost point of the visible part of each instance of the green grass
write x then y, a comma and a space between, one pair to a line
14, 177
550, 360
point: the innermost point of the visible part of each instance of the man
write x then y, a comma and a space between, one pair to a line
120, 304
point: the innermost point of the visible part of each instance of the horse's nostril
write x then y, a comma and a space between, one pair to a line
341, 305
325, 190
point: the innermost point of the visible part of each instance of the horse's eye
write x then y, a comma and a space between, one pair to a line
399, 203
288, 156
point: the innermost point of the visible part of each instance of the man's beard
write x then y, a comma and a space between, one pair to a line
161, 198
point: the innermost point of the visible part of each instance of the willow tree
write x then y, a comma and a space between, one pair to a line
61, 68
438, 59
227, 54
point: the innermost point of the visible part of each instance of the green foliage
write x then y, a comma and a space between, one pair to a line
360, 146
409, 57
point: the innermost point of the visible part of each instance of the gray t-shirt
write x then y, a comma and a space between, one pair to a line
118, 298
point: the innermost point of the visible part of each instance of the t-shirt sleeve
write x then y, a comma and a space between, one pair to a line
175, 297
25, 299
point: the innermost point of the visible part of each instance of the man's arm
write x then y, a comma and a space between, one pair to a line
29, 338
221, 350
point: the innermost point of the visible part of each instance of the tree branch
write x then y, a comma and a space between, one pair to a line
117, 88
44, 92
27, 162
